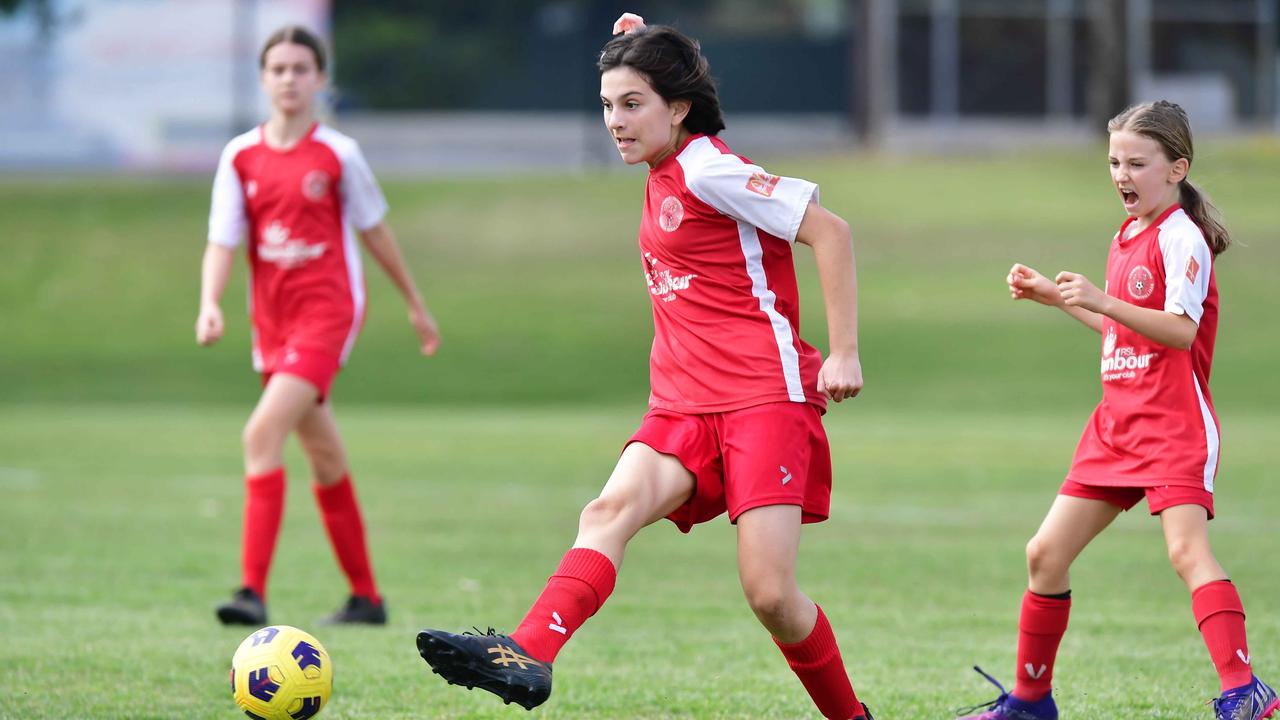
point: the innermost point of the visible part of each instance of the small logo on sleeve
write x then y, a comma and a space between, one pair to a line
1141, 283
762, 183
1193, 269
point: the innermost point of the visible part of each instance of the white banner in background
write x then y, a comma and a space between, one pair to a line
137, 84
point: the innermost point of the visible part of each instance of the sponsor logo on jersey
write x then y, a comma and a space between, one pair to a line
1193, 269
1121, 363
671, 213
1141, 283
762, 183
315, 185
287, 252
661, 281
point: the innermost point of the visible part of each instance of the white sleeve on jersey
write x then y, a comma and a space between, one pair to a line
1187, 262
362, 200
227, 221
747, 193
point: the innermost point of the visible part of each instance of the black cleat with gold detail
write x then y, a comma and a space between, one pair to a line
488, 661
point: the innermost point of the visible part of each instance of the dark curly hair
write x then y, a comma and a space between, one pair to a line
675, 68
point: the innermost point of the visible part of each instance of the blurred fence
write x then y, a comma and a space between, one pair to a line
452, 86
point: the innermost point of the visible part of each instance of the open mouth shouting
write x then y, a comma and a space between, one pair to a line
1129, 197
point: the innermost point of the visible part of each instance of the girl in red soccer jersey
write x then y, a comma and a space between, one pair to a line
1154, 434
297, 188
736, 396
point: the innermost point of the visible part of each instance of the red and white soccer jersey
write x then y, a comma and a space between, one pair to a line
715, 242
1156, 424
298, 207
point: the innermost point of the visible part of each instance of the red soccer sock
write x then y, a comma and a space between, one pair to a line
574, 593
1220, 616
263, 508
816, 661
345, 527
1040, 629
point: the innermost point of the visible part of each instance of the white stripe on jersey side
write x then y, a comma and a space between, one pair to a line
355, 276
1211, 438
339, 144
256, 353
749, 238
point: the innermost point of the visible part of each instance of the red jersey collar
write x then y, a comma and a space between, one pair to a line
262, 137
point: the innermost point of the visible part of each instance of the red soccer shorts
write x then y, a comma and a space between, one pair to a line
317, 367
771, 454
1159, 498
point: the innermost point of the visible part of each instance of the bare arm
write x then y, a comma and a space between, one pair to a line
832, 243
1027, 284
214, 271
1168, 329
382, 245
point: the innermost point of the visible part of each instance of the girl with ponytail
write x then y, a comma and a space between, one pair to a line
1155, 433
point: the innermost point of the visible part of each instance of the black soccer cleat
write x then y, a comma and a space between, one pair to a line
359, 610
488, 661
245, 608
866, 713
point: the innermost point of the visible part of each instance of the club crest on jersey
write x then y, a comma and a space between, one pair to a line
671, 213
1141, 283
1193, 269
762, 183
315, 185
287, 252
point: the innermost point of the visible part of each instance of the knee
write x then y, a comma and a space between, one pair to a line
769, 599
1185, 556
260, 438
603, 512
1042, 558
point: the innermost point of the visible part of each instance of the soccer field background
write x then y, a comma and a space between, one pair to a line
119, 452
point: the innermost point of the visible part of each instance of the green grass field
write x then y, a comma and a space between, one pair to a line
119, 456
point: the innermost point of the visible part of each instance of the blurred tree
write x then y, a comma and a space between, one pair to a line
399, 54
406, 54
